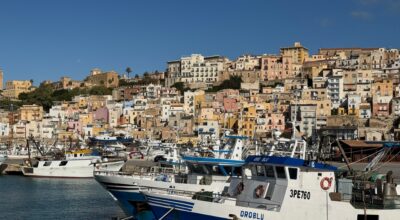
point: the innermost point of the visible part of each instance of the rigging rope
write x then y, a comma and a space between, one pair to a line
362, 158
378, 167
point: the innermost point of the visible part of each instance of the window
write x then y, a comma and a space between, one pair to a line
260, 170
47, 163
270, 171
63, 163
293, 173
368, 217
280, 172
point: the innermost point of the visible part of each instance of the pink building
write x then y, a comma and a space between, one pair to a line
276, 67
230, 105
226, 93
74, 126
101, 114
381, 105
275, 121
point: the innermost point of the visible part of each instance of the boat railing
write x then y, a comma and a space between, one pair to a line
153, 171
364, 193
211, 197
112, 173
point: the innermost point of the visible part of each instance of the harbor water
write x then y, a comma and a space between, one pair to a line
47, 198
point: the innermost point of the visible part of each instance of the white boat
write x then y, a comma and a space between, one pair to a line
106, 138
76, 165
21, 152
284, 188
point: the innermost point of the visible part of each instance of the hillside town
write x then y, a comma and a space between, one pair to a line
352, 94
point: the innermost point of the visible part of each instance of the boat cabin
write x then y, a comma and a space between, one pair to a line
205, 170
267, 180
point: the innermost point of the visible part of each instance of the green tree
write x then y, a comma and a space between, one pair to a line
128, 71
180, 86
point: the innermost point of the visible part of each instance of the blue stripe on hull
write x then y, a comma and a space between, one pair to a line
171, 200
126, 200
181, 215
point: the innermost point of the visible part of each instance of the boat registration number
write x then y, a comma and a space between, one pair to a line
300, 194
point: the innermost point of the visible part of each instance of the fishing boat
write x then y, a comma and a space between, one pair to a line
203, 173
106, 139
76, 164
287, 188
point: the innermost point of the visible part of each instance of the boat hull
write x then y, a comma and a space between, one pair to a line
181, 208
73, 169
126, 193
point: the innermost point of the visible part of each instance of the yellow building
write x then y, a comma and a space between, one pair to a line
298, 53
82, 101
65, 136
85, 119
30, 113
107, 79
383, 87
97, 101
247, 121
68, 83
16, 87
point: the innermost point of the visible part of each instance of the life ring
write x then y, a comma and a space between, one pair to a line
259, 191
239, 188
326, 183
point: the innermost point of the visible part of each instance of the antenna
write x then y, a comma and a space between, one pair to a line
295, 117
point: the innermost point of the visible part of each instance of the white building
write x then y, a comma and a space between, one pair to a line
196, 69
4, 129
247, 62
59, 112
153, 91
353, 101
335, 87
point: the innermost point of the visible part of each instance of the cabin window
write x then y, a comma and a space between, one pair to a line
47, 163
270, 171
63, 163
260, 170
368, 217
75, 155
280, 172
293, 173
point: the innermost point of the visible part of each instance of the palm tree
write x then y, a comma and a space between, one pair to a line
128, 70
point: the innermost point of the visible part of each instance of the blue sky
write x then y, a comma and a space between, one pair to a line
45, 39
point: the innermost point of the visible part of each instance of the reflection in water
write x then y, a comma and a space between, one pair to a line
45, 198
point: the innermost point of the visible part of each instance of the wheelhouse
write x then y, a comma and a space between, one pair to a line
267, 180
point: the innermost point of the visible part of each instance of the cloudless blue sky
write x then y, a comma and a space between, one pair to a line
46, 39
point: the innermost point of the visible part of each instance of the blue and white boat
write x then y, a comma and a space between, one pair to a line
284, 188
202, 174
107, 139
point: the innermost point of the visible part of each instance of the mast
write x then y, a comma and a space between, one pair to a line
29, 152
